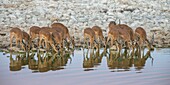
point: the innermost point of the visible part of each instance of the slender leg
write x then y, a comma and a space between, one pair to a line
140, 45
68, 37
53, 46
31, 42
39, 45
11, 38
108, 38
111, 42
91, 42
46, 45
43, 44
101, 41
63, 42
84, 42
60, 45
22, 45
17, 40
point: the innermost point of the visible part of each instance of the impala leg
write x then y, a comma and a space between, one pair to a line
31, 42
140, 45
126, 45
17, 40
22, 45
111, 42
84, 42
29, 45
37, 41
91, 42
39, 45
63, 43
118, 46
60, 45
101, 41
68, 39
46, 45
54, 47
108, 38
11, 38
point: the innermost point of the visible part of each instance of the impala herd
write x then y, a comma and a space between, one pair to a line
57, 36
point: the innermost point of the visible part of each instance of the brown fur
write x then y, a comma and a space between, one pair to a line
114, 36
46, 35
60, 27
128, 30
98, 33
141, 34
58, 38
34, 32
26, 37
89, 33
125, 32
17, 33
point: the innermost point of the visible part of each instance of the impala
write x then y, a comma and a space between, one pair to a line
18, 34
141, 37
98, 34
60, 27
114, 36
26, 38
125, 32
89, 33
34, 33
47, 37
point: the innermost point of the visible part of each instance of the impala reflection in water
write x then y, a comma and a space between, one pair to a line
91, 67
124, 61
39, 62
45, 61
92, 59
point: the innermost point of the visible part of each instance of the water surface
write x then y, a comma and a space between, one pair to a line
93, 67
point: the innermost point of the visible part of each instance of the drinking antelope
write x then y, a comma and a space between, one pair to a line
128, 30
56, 35
60, 27
99, 34
89, 33
57, 38
26, 38
141, 37
18, 34
114, 36
45, 35
34, 33
125, 32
